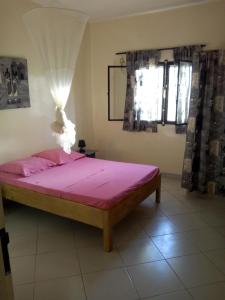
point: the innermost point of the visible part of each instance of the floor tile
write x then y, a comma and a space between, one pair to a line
24, 292
55, 241
220, 229
154, 278
110, 285
23, 269
209, 292
160, 245
171, 206
148, 208
205, 239
182, 295
52, 223
195, 270
139, 251
88, 236
22, 226
95, 259
158, 226
60, 289
21, 220
170, 246
187, 222
214, 217
128, 231
218, 258
56, 264
22, 246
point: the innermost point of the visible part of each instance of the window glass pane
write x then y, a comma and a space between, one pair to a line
148, 94
184, 92
172, 93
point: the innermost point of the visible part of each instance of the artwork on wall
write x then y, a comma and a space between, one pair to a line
14, 88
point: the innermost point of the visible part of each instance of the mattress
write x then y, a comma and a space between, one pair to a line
94, 182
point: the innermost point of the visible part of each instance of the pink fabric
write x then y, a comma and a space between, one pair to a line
59, 156
26, 166
93, 182
76, 155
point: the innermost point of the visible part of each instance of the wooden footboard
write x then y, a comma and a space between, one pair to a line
103, 219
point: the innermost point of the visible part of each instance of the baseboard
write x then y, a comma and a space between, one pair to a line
171, 175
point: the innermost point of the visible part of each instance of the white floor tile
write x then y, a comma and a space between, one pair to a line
148, 208
60, 289
171, 206
23, 245
139, 251
170, 246
220, 229
183, 295
22, 227
95, 259
209, 292
23, 269
204, 239
88, 236
55, 241
214, 217
56, 264
218, 258
158, 226
24, 292
52, 223
128, 231
187, 222
195, 270
154, 278
180, 227
110, 285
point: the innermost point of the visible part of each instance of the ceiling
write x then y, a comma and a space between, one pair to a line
106, 9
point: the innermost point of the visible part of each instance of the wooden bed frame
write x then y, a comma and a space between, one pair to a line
103, 219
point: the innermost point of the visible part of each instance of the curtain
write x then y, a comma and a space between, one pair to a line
183, 57
57, 35
204, 153
135, 118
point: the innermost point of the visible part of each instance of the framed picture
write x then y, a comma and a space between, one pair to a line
14, 88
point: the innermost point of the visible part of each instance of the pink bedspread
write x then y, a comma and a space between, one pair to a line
93, 182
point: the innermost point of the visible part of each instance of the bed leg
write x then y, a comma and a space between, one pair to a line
158, 191
107, 233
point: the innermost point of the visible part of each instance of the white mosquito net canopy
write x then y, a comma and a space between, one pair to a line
57, 35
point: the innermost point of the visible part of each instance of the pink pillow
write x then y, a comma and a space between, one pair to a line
59, 156
27, 166
76, 155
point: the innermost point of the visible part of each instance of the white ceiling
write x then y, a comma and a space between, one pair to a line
104, 9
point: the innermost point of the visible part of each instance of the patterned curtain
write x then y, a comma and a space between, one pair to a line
204, 154
132, 114
183, 56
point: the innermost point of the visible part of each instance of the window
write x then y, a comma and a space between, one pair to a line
163, 92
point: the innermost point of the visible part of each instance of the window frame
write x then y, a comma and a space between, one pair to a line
166, 65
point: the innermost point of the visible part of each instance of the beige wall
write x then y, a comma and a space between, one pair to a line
24, 131
81, 93
193, 25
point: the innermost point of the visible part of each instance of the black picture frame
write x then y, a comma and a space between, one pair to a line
14, 85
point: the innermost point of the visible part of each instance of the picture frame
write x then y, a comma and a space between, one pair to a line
14, 86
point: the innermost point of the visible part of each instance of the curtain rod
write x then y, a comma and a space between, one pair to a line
125, 52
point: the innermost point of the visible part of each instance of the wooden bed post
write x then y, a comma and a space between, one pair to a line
158, 190
107, 232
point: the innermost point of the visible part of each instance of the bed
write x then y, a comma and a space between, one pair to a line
93, 191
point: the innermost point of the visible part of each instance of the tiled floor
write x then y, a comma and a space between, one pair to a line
171, 251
